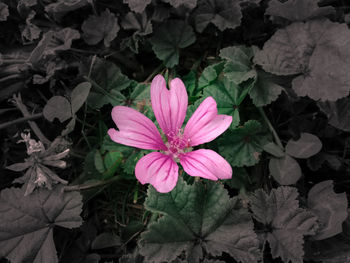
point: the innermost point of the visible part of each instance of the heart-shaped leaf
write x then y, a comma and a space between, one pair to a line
306, 146
57, 107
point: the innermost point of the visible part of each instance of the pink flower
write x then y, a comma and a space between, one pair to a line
160, 168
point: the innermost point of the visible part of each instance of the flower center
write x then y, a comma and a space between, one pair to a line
177, 144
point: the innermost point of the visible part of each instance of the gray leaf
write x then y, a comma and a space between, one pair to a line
285, 171
331, 209
306, 146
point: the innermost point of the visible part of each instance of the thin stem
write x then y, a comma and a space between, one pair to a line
345, 149
90, 185
13, 61
100, 89
85, 124
19, 104
83, 51
131, 238
136, 193
86, 139
23, 119
91, 65
10, 77
83, 128
273, 131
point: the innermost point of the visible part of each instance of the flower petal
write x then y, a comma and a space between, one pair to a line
207, 164
169, 106
205, 125
135, 129
159, 170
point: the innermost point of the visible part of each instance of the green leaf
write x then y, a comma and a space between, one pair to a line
112, 161
228, 96
26, 231
306, 146
331, 209
338, 113
130, 162
197, 217
222, 13
298, 10
104, 27
240, 179
169, 38
210, 75
57, 107
243, 145
285, 171
319, 56
137, 6
273, 149
107, 83
288, 223
265, 89
140, 96
191, 109
79, 95
190, 81
239, 67
98, 160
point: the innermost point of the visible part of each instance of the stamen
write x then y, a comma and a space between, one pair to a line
176, 144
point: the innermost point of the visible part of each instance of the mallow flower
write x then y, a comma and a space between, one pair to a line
160, 167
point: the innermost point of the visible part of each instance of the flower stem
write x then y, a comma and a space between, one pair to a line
273, 131
90, 185
23, 119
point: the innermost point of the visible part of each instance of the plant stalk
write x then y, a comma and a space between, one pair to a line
271, 128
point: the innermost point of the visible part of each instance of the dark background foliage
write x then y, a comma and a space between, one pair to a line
280, 68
